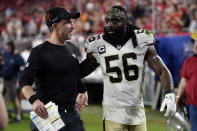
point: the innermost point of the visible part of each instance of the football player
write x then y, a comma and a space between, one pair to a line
121, 52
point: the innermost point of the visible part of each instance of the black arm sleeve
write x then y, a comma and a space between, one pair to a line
88, 65
81, 87
32, 67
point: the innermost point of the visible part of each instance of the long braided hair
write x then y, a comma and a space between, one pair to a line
130, 31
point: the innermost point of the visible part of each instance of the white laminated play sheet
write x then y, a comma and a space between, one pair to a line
52, 123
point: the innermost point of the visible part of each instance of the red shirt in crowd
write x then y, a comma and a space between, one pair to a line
189, 72
174, 23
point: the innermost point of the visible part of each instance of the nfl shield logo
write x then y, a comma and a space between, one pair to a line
118, 47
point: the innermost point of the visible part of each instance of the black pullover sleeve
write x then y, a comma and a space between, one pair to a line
88, 65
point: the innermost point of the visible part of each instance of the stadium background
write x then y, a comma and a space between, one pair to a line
172, 22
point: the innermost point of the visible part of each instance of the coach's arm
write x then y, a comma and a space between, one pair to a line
38, 106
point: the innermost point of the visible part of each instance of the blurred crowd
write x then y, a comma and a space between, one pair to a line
22, 20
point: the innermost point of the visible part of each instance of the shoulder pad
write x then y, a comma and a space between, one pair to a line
94, 38
89, 45
144, 36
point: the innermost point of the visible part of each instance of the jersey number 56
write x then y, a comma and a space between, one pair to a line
127, 68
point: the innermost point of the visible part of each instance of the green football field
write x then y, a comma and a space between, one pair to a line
92, 116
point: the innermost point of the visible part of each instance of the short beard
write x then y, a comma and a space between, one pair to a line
117, 33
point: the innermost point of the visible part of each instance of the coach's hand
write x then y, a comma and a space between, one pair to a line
39, 109
82, 101
169, 101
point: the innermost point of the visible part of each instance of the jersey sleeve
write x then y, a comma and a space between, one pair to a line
88, 65
144, 37
90, 44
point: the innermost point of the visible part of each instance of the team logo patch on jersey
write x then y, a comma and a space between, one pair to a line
101, 49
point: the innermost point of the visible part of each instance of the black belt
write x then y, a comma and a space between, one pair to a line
66, 109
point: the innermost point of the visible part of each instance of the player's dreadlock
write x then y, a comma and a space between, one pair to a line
130, 30
130, 27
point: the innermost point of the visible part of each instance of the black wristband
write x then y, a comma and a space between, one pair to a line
81, 87
33, 98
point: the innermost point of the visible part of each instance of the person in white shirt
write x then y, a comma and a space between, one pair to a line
121, 53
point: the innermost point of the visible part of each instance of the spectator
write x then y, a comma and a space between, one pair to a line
15, 28
175, 19
26, 52
185, 16
193, 24
30, 12
188, 85
13, 62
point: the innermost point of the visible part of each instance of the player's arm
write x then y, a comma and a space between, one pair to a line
88, 65
157, 65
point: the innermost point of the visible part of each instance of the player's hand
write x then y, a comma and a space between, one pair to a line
82, 101
39, 109
169, 101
